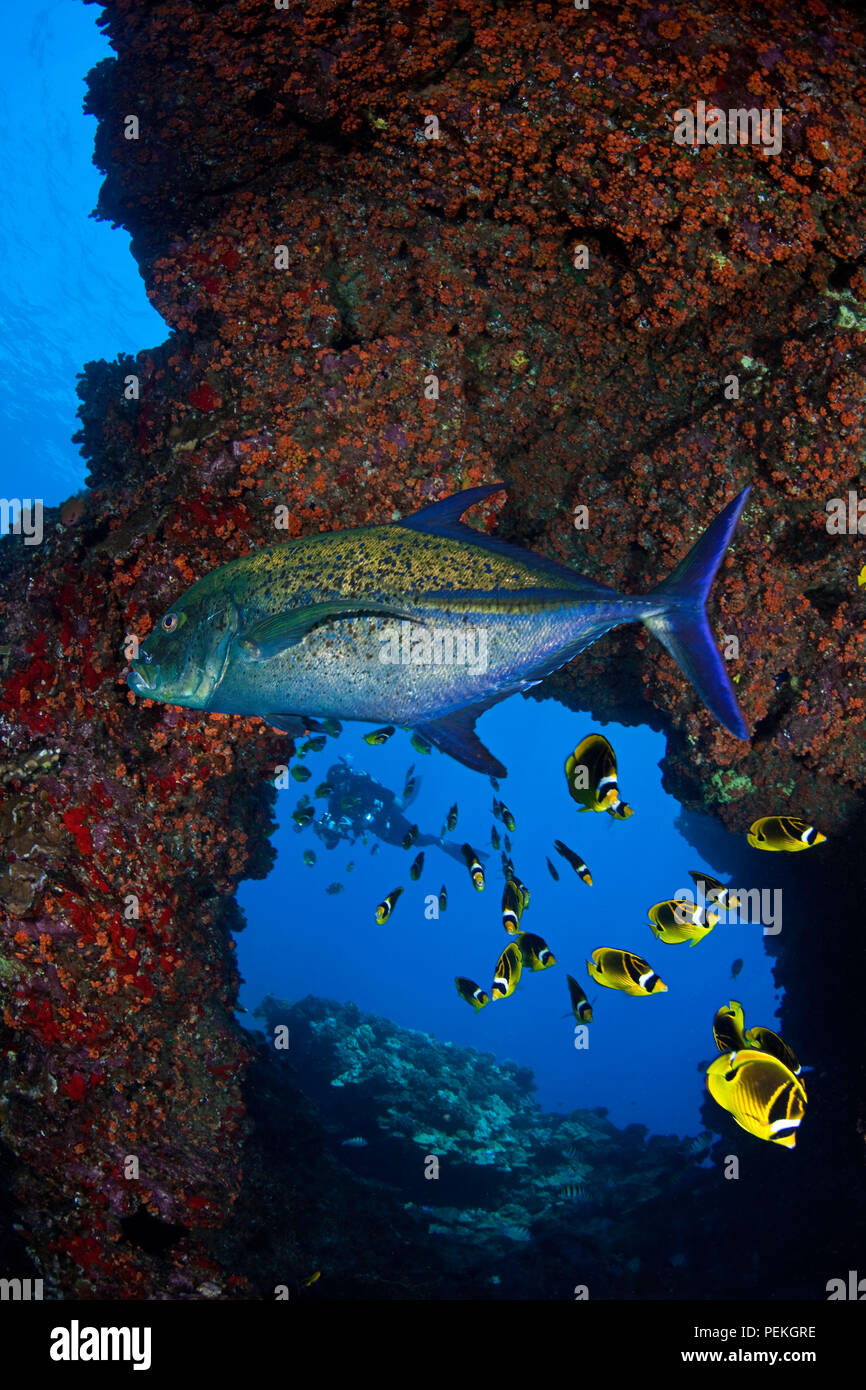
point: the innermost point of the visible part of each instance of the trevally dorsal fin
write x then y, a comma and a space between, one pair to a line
276, 633
455, 734
444, 518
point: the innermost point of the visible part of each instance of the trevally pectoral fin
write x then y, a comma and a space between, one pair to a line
275, 634
455, 734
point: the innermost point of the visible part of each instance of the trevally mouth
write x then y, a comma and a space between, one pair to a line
137, 680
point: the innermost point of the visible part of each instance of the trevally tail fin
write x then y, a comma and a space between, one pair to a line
682, 624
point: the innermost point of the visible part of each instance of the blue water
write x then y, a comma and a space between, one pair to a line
643, 1052
70, 290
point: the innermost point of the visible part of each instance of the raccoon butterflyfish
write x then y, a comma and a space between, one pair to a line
421, 744
309, 857
728, 1025
497, 809
379, 736
677, 920
552, 870
765, 1040
508, 870
731, 1035
476, 872
315, 745
574, 860
624, 971
386, 907
760, 1093
471, 992
535, 952
783, 833
302, 815
332, 727
410, 837
494, 837
451, 819
324, 789
580, 1005
508, 971
301, 773
417, 867
714, 891
591, 774
507, 818
512, 907
443, 898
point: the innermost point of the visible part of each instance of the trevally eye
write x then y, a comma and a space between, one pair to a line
172, 621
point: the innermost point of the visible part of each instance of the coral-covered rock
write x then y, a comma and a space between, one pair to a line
363, 225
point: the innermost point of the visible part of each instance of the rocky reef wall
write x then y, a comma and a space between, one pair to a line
363, 225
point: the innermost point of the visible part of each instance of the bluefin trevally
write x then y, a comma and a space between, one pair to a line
422, 622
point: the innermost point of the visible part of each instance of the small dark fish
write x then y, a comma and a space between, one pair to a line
712, 890
332, 727
535, 951
494, 784
379, 736
387, 905
311, 1279
410, 837
302, 815
494, 837
309, 857
573, 1192
580, 1005
471, 992
376, 848
421, 744
443, 898
408, 787
451, 819
333, 889
323, 789
736, 968
507, 818
591, 774
574, 860
473, 864
417, 867
350, 866
356, 1143
512, 907
300, 773
315, 745
552, 870
507, 844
